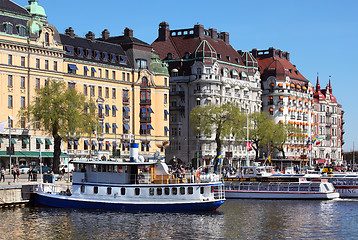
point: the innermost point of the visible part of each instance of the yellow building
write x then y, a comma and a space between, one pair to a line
121, 74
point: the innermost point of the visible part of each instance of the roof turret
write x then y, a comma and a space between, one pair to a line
35, 10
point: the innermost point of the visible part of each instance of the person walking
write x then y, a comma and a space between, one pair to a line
14, 173
2, 172
30, 174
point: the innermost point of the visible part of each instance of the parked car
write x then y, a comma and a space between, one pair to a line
45, 169
24, 169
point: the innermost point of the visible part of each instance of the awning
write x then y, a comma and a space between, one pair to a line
14, 142
126, 126
150, 127
38, 140
114, 108
107, 125
148, 145
86, 68
101, 124
126, 109
166, 112
1, 141
114, 125
25, 141
93, 70
150, 110
321, 160
166, 128
108, 144
108, 107
77, 143
87, 143
100, 106
243, 74
48, 141
72, 66
100, 143
70, 142
29, 154
94, 143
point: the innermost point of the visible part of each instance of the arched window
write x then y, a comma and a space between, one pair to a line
47, 39
144, 82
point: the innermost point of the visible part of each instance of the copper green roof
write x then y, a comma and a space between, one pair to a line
36, 10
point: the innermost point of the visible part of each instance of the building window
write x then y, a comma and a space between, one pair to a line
99, 73
107, 92
85, 90
47, 39
37, 63
8, 27
113, 93
114, 75
114, 112
22, 61
92, 89
9, 59
71, 85
46, 64
22, 31
128, 77
9, 101
165, 81
37, 83
165, 98
123, 76
99, 91
198, 102
106, 74
22, 83
9, 81
55, 65
22, 102
142, 63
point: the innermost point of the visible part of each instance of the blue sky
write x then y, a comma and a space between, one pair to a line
321, 35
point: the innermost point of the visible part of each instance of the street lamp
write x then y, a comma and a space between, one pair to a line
247, 136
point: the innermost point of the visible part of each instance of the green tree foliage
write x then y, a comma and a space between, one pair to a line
62, 112
218, 120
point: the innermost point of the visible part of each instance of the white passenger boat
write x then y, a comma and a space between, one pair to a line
345, 184
133, 186
303, 189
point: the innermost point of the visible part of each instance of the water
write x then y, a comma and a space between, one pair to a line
236, 219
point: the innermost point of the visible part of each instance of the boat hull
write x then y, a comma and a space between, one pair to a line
280, 195
347, 191
49, 200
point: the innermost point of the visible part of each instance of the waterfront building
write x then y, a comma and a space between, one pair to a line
328, 126
127, 81
287, 96
205, 69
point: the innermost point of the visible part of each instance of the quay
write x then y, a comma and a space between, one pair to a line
19, 193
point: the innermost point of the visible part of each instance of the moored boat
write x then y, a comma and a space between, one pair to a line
345, 184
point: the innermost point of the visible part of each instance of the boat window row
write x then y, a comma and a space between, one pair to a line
343, 181
153, 191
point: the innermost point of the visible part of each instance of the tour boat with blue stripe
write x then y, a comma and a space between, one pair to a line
134, 186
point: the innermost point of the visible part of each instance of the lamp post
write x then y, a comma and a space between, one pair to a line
10, 144
247, 136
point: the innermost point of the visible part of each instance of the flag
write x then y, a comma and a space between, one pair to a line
217, 162
319, 140
2, 125
249, 146
269, 159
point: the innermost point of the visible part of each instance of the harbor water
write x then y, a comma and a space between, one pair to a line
236, 219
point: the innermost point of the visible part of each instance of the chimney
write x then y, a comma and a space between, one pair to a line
272, 52
164, 32
240, 52
254, 52
280, 53
128, 32
70, 32
198, 31
90, 36
225, 37
213, 33
105, 34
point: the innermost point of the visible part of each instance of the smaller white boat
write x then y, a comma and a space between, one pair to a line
303, 189
345, 184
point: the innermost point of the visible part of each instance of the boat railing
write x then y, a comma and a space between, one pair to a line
276, 186
63, 189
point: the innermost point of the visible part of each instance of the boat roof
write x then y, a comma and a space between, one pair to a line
88, 162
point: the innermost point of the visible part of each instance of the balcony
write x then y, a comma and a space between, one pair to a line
145, 102
125, 101
101, 116
177, 93
177, 108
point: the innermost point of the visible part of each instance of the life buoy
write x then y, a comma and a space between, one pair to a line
198, 176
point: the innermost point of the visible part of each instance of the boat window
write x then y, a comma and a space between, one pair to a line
327, 188
95, 190
190, 190
151, 191
182, 190
137, 191
104, 168
83, 167
94, 168
99, 168
159, 191
174, 191
201, 190
251, 171
109, 191
166, 191
83, 188
123, 191
119, 169
115, 168
110, 168
212, 189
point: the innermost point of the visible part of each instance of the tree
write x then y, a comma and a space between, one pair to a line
61, 112
216, 119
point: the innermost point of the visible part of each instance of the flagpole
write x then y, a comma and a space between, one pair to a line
10, 149
247, 137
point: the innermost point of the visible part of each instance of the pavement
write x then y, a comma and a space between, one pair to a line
23, 180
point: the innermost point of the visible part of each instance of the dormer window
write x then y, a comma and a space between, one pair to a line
69, 50
80, 52
228, 58
105, 57
113, 58
97, 55
186, 55
122, 59
89, 53
142, 63
170, 56
21, 30
8, 28
47, 39
219, 55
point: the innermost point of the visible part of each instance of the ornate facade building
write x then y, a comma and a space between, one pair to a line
205, 69
328, 127
129, 84
287, 96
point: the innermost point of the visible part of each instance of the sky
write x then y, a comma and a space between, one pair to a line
321, 35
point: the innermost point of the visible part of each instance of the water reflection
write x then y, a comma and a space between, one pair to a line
236, 219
